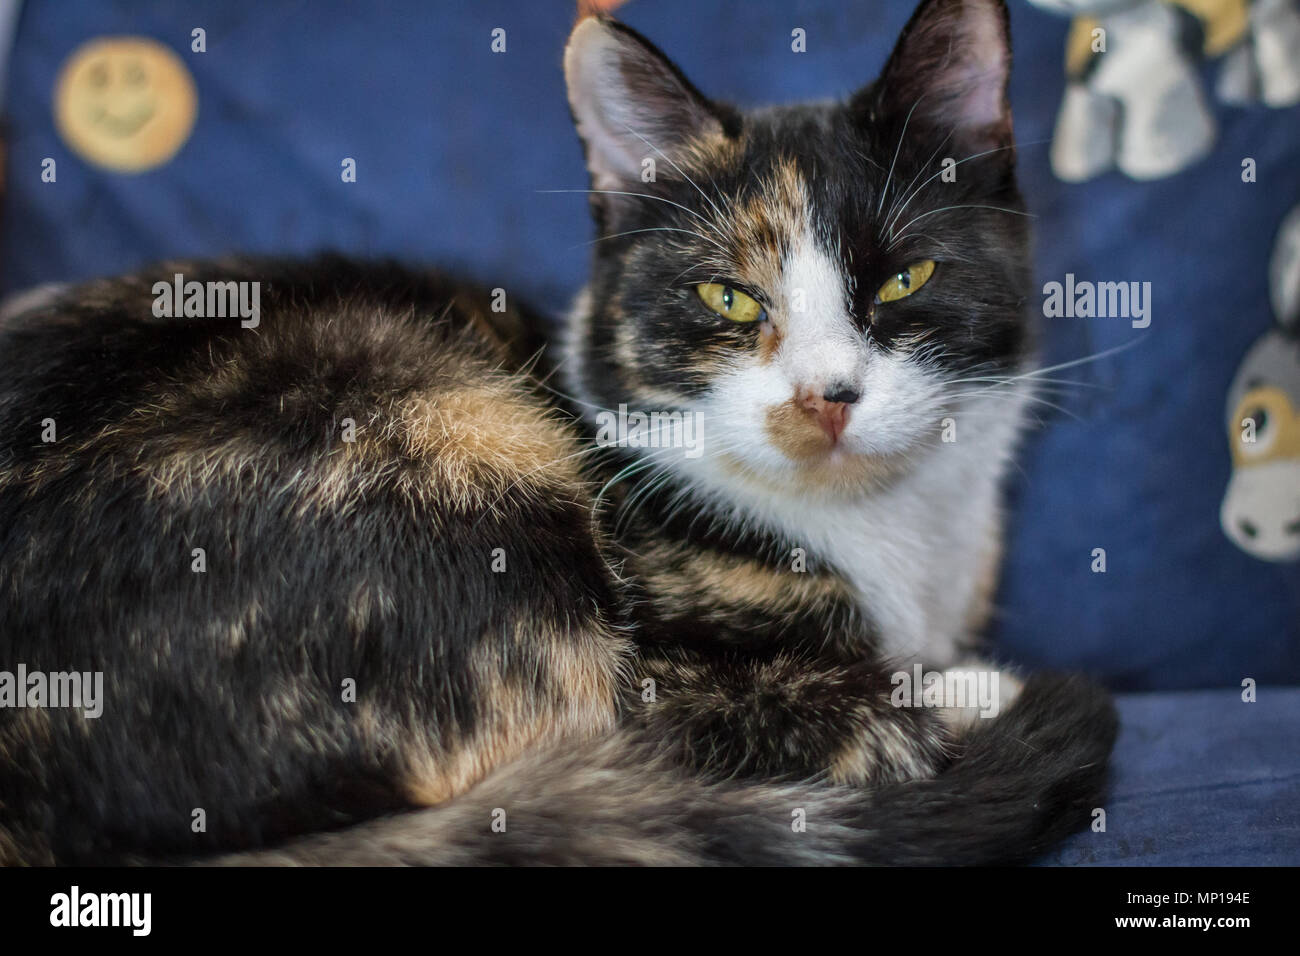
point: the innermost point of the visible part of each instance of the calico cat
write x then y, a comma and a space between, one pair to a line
377, 580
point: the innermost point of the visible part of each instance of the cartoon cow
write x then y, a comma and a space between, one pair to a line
1133, 97
1261, 508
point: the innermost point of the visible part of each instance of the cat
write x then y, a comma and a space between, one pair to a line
390, 577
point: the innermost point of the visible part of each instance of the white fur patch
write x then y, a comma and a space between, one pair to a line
821, 346
914, 550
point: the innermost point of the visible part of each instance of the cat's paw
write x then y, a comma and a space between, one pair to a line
975, 692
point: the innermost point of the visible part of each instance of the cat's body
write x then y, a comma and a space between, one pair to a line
392, 493
224, 686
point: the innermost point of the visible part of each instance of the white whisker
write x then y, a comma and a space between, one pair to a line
721, 217
901, 136
932, 212
619, 192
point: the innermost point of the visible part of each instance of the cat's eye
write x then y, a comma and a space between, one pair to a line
906, 282
730, 303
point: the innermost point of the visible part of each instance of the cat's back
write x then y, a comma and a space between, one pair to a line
313, 386
309, 543
199, 336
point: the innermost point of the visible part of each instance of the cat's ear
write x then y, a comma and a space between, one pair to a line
630, 103
949, 72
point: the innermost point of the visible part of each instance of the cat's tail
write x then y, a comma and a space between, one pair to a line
1025, 780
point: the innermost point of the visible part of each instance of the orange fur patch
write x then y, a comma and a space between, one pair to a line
586, 667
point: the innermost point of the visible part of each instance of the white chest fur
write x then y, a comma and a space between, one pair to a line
917, 552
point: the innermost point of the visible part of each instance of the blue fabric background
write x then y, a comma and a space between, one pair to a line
455, 145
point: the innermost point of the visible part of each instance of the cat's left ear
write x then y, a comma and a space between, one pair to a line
948, 72
630, 103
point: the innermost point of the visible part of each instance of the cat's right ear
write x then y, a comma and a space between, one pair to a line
631, 104
949, 71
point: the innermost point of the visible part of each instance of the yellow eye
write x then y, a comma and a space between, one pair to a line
906, 282
730, 303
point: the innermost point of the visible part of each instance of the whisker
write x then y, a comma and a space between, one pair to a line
890, 215
721, 217
987, 152
1038, 383
619, 192
575, 399
901, 137
932, 212
1022, 396
633, 232
953, 256
1095, 357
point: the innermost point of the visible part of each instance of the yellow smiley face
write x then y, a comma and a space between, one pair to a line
126, 103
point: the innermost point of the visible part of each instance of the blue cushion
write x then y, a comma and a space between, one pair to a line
1200, 778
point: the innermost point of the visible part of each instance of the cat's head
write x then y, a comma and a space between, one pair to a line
815, 281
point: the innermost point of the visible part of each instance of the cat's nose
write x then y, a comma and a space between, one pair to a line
831, 414
842, 393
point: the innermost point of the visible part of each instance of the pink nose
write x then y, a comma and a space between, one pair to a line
831, 416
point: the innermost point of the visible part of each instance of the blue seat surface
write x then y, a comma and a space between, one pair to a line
1200, 778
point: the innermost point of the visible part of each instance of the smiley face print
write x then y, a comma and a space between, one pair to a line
125, 103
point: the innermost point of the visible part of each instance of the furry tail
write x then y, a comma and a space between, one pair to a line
1026, 779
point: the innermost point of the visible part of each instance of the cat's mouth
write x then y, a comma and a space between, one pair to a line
806, 432
836, 469
819, 452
